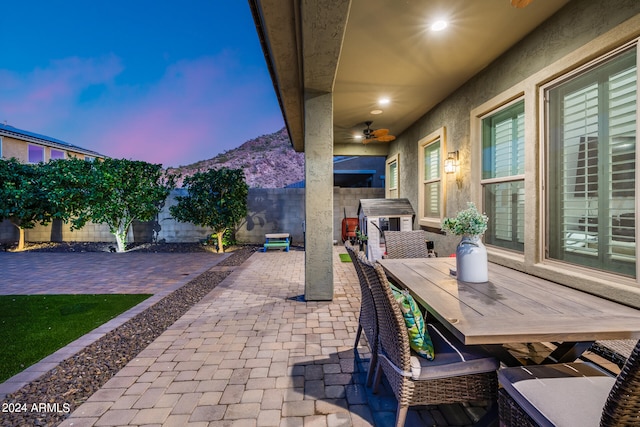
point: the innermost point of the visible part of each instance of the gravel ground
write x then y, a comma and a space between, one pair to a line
109, 247
78, 377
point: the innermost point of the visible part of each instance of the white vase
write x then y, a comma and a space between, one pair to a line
471, 260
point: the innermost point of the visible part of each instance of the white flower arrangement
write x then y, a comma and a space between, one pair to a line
468, 222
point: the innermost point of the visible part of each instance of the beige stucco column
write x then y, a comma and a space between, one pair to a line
318, 134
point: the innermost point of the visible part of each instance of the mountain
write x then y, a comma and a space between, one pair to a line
268, 161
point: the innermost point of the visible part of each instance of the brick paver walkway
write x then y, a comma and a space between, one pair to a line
29, 273
253, 353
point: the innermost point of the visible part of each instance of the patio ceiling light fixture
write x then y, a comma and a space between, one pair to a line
439, 25
451, 163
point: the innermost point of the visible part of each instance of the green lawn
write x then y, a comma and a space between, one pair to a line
34, 326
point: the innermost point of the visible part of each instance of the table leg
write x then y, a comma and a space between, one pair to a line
502, 354
567, 352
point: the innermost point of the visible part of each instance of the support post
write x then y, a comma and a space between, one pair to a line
318, 196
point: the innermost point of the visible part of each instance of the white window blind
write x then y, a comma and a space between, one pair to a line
592, 157
431, 181
503, 176
393, 179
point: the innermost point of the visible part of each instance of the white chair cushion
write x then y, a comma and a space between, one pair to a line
571, 394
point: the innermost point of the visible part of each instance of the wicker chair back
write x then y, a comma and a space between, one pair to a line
623, 403
406, 244
368, 319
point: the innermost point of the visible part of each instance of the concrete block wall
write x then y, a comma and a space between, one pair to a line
271, 210
348, 200
173, 231
58, 231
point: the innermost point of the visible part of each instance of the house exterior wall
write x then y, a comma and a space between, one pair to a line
12, 147
270, 210
18, 148
581, 31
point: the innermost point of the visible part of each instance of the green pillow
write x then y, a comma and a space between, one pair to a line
419, 338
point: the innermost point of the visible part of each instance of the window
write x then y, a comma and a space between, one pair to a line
36, 153
503, 176
56, 154
431, 195
393, 186
89, 158
591, 166
0, 147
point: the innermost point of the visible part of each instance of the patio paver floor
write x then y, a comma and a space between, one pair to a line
253, 353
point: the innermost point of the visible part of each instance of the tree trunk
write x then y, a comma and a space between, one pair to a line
21, 239
20, 235
121, 235
220, 247
121, 241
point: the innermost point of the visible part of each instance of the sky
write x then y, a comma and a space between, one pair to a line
161, 81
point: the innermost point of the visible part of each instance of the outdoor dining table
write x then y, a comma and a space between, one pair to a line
513, 307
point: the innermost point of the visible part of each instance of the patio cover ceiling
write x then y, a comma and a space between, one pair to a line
364, 50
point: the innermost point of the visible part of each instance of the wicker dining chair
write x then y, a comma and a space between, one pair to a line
457, 374
368, 320
574, 394
406, 244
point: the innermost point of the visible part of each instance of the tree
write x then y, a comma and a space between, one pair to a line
126, 190
23, 201
216, 199
67, 183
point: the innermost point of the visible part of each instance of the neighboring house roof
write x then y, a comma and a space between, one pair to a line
10, 131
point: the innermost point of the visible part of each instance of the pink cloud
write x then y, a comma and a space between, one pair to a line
197, 109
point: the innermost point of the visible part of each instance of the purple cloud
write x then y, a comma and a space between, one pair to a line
197, 109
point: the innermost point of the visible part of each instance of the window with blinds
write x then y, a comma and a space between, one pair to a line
503, 176
392, 180
431, 179
591, 166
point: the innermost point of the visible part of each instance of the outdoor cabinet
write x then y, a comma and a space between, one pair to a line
378, 215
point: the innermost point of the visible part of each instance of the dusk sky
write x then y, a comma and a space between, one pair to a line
160, 81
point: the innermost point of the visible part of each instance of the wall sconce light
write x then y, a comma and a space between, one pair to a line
451, 163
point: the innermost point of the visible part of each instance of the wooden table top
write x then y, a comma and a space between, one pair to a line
512, 307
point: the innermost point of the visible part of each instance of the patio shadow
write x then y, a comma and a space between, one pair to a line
337, 384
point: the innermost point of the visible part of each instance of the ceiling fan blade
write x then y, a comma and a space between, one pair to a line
380, 132
520, 3
386, 138
368, 140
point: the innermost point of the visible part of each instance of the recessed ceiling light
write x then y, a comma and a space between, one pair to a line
384, 101
376, 112
439, 25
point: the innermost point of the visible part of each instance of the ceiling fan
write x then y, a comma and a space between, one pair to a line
371, 135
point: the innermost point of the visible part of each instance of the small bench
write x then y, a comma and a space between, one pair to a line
277, 240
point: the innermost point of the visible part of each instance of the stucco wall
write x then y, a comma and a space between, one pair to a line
572, 27
270, 210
